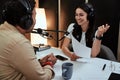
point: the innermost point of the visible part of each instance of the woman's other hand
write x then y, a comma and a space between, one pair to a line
102, 29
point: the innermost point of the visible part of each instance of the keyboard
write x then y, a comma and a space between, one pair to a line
41, 48
44, 48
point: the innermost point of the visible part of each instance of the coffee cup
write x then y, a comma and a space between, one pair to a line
67, 70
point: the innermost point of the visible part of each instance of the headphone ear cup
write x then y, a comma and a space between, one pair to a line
91, 11
90, 15
3, 14
26, 22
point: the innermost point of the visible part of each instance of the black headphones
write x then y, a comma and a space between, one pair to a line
26, 20
90, 9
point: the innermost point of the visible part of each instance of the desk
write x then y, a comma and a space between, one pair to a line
91, 70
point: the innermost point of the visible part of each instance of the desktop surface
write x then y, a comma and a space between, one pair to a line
84, 68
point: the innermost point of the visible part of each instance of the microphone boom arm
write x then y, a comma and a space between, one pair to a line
45, 32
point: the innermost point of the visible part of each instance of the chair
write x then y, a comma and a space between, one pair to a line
106, 53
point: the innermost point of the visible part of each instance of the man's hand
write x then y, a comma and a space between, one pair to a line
52, 58
49, 58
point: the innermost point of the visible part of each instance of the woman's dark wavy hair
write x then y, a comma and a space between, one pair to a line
14, 11
88, 8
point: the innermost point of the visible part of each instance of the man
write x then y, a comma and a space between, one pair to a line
17, 57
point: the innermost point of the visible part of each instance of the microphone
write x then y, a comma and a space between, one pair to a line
42, 32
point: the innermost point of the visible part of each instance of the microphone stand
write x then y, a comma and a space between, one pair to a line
57, 31
44, 33
50, 36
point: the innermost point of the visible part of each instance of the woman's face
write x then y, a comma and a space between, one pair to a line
81, 17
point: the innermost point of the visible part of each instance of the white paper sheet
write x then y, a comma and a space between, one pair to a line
80, 49
84, 60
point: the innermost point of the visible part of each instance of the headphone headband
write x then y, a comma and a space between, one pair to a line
23, 18
26, 4
90, 7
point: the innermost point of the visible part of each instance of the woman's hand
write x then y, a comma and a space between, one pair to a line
74, 57
102, 29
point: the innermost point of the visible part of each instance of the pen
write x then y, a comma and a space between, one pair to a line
104, 66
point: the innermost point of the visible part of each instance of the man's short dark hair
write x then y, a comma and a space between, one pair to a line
14, 12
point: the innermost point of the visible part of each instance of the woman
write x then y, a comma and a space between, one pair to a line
82, 31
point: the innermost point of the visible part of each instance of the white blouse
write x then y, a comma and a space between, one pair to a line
70, 30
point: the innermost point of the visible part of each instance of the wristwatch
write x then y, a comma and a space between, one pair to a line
99, 38
48, 63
